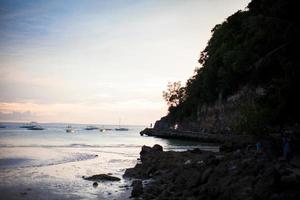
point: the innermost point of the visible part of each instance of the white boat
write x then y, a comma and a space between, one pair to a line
105, 129
36, 128
121, 128
102, 129
29, 125
70, 129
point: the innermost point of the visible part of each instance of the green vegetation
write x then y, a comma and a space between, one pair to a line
256, 47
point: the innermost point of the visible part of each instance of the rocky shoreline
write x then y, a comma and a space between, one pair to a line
227, 142
196, 174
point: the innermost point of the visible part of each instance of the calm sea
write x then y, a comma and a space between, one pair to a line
50, 163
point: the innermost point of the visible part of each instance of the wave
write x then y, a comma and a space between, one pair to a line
9, 163
75, 145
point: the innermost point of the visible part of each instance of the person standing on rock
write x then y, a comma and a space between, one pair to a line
286, 141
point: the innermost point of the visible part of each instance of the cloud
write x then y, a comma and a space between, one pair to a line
138, 111
17, 116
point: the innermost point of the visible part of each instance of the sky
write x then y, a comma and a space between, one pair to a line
100, 61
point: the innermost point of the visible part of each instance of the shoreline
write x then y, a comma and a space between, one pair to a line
227, 142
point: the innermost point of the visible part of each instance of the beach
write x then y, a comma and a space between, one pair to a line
50, 164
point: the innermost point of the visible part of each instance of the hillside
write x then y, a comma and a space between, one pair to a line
249, 75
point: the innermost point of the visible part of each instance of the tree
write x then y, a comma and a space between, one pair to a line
174, 94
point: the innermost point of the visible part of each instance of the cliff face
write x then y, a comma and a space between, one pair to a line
223, 116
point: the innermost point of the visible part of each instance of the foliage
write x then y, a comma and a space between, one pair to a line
253, 119
254, 47
174, 94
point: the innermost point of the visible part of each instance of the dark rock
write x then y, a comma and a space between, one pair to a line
95, 184
196, 151
137, 188
23, 193
206, 174
101, 177
157, 147
145, 150
289, 180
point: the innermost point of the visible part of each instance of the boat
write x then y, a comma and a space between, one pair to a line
29, 125
2, 126
36, 128
105, 129
102, 129
122, 129
70, 129
89, 128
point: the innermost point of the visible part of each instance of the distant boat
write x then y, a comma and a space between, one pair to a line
2, 126
29, 125
104, 129
89, 128
69, 129
122, 129
36, 128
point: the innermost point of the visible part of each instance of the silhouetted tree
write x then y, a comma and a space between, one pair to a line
174, 94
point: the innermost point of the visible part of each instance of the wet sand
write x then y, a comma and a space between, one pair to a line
64, 181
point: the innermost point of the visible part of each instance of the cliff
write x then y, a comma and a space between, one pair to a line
223, 116
249, 78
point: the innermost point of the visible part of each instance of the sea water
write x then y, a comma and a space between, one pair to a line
50, 163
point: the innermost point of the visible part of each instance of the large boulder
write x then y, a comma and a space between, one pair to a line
101, 177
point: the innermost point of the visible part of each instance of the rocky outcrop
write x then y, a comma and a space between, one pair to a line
227, 141
203, 175
101, 177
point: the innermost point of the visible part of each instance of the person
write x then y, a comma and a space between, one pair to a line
286, 148
150, 125
258, 148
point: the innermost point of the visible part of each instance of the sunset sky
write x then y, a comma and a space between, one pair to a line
99, 61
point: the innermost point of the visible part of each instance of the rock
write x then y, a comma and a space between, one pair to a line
232, 175
95, 184
289, 180
187, 162
206, 174
145, 150
137, 188
200, 162
101, 177
157, 147
196, 150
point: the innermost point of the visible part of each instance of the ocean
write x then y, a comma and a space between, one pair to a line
50, 163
